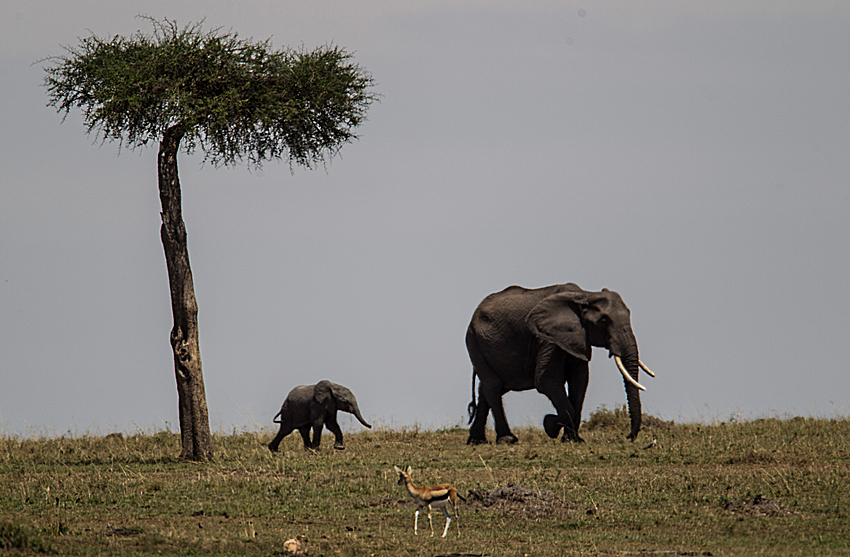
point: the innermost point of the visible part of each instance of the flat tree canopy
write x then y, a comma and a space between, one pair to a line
232, 98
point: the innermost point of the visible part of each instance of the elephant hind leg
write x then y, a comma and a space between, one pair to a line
283, 432
479, 423
317, 433
493, 395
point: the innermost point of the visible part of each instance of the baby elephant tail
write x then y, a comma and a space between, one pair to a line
472, 408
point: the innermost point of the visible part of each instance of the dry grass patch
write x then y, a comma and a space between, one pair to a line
775, 486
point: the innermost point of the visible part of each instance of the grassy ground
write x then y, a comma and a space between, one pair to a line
763, 487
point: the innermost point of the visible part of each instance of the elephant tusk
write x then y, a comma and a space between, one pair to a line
646, 369
626, 374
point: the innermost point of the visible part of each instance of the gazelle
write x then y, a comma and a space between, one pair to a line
437, 496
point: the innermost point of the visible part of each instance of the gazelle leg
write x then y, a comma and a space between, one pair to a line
448, 521
416, 523
430, 522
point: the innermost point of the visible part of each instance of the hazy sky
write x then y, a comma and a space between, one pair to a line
694, 157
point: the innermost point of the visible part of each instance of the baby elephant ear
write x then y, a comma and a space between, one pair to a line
322, 392
556, 319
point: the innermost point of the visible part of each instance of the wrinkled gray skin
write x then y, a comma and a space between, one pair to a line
314, 406
521, 339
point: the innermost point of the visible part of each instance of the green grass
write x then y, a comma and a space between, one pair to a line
703, 490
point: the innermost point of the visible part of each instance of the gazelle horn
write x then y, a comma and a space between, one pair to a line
646, 369
626, 374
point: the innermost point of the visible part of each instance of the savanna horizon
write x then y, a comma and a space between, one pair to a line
770, 485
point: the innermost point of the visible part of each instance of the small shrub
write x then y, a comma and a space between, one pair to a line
618, 418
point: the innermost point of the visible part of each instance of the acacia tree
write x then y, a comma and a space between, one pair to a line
234, 99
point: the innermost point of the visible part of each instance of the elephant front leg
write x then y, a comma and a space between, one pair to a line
577, 378
305, 436
334, 428
552, 424
550, 381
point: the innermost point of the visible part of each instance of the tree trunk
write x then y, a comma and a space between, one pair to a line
194, 419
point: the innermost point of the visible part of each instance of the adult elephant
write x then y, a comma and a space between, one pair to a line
541, 338
314, 406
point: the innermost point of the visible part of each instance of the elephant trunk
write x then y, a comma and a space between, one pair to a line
630, 362
356, 412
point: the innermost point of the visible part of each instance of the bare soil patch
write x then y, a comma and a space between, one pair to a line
531, 503
757, 506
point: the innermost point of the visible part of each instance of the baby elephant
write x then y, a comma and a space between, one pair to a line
314, 406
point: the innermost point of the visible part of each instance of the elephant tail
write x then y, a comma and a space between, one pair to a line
275, 420
472, 406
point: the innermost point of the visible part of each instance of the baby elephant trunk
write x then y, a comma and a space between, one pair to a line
345, 401
356, 412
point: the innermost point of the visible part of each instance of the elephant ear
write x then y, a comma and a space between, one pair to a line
342, 396
322, 394
556, 319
